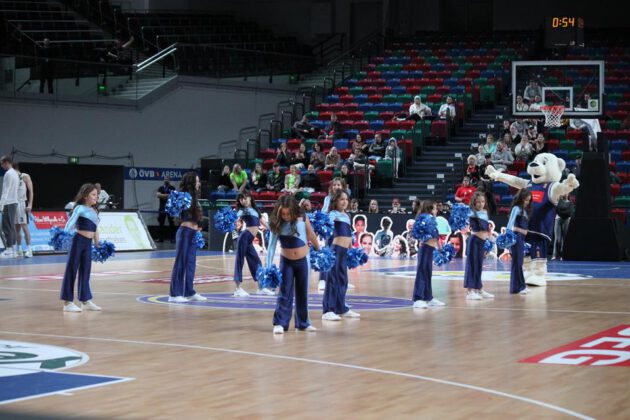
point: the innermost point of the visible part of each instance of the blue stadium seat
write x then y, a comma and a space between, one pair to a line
393, 82
331, 99
377, 124
625, 190
341, 144
562, 154
524, 175
500, 188
623, 167
615, 155
360, 99
506, 200
619, 145
399, 90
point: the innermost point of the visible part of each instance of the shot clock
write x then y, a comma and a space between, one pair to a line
564, 31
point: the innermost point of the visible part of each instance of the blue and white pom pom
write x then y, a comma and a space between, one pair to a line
444, 255
356, 257
60, 240
424, 228
459, 216
225, 220
322, 224
487, 245
200, 243
177, 202
103, 252
323, 260
507, 239
268, 277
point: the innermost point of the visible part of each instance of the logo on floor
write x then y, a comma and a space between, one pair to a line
258, 302
487, 275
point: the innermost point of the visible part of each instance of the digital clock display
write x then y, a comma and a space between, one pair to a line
562, 31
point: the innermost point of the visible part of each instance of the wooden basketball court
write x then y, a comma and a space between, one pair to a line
206, 361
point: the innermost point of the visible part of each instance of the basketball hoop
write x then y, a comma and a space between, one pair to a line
553, 115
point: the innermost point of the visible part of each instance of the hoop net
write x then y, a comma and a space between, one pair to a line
553, 115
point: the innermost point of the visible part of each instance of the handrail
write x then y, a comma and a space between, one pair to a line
65, 60
222, 46
157, 57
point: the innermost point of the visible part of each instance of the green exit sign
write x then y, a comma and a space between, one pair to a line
73, 160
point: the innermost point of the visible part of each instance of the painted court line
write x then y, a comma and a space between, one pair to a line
323, 363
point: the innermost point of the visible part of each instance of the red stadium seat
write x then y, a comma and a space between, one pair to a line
615, 189
439, 128
325, 176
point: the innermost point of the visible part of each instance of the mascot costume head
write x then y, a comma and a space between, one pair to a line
545, 172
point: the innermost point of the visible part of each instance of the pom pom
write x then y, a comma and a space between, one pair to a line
321, 223
269, 277
459, 216
444, 255
225, 220
103, 252
200, 243
526, 248
424, 228
487, 245
60, 240
507, 239
356, 257
177, 202
323, 260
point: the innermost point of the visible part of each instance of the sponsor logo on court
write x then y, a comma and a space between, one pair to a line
19, 356
487, 275
256, 302
607, 348
213, 278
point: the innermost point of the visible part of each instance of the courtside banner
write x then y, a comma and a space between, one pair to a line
126, 230
154, 174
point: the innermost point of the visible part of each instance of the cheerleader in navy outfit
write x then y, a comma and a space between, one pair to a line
474, 246
84, 219
249, 214
183, 275
294, 231
422, 291
335, 185
334, 302
518, 223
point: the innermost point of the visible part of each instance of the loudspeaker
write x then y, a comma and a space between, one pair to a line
208, 165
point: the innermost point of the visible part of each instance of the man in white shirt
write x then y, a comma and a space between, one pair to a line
447, 110
531, 91
102, 196
25, 207
9, 205
418, 110
535, 106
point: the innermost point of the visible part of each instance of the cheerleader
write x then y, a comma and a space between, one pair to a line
84, 220
335, 185
294, 232
474, 247
422, 291
183, 275
250, 216
521, 210
334, 302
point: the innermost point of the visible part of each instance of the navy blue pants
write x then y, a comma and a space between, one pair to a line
185, 263
245, 250
517, 279
474, 263
294, 282
79, 260
337, 283
422, 287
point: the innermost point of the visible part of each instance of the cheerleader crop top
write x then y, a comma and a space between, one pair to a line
516, 211
288, 239
82, 218
342, 224
249, 216
479, 221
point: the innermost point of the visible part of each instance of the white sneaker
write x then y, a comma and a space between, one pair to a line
71, 307
90, 306
239, 292
523, 292
265, 292
433, 303
331, 316
28, 253
351, 314
197, 298
486, 295
20, 253
350, 286
277, 329
310, 328
472, 295
177, 299
420, 304
321, 285
7, 254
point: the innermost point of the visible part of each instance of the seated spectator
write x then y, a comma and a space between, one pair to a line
393, 152
531, 91
275, 179
306, 205
519, 128
373, 207
480, 156
347, 178
396, 209
357, 159
502, 157
238, 177
333, 160
472, 171
448, 110
291, 181
301, 158
442, 210
225, 184
318, 158
358, 140
490, 146
465, 191
303, 129
258, 179
508, 142
524, 150
284, 156
583, 104
354, 206
416, 204
333, 128
418, 110
520, 105
310, 181
516, 136
535, 106
540, 146
376, 150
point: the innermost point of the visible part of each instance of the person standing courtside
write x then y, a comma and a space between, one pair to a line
162, 194
9, 205
25, 207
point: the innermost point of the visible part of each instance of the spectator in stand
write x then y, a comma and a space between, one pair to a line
357, 159
358, 141
284, 156
354, 206
334, 126
377, 149
583, 104
535, 106
258, 179
480, 156
490, 146
103, 197
539, 145
418, 110
47, 72
520, 105
318, 159
301, 158
465, 191
275, 179
347, 178
442, 210
393, 152
306, 205
531, 91
310, 181
396, 209
472, 170
448, 110
524, 150
238, 177
516, 137
224, 181
291, 181
333, 160
502, 157
578, 168
519, 127
162, 194
506, 127
487, 161
508, 142
303, 129
373, 207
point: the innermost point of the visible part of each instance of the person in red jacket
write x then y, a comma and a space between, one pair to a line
465, 191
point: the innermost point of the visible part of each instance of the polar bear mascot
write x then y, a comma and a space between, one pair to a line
545, 172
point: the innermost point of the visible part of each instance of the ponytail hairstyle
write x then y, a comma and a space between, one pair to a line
189, 184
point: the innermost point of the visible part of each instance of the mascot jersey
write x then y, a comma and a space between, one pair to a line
542, 219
